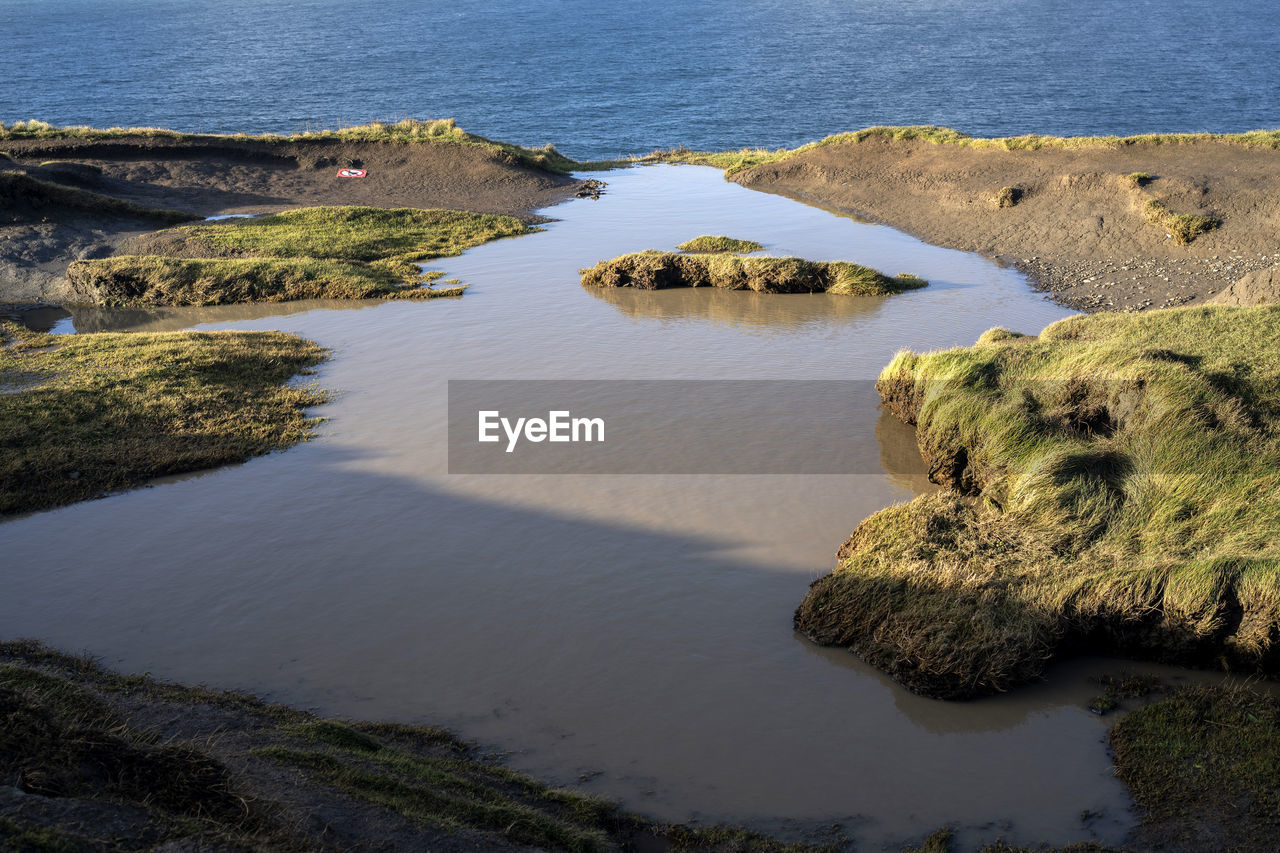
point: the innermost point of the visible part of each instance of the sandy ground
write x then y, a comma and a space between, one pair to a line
239, 176
1078, 228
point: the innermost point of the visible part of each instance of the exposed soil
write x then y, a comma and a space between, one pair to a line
1075, 224
210, 177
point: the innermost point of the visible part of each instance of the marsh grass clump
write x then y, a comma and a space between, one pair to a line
1202, 765
319, 252
97, 413
1139, 179
658, 270
709, 245
1183, 227
1007, 197
1111, 485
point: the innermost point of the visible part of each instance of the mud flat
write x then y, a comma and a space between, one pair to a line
1093, 220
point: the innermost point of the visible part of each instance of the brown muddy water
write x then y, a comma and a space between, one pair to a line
629, 635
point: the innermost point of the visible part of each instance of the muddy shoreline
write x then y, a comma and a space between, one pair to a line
1077, 228
206, 176
1077, 224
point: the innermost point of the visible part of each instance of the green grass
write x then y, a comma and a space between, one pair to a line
21, 191
1204, 765
1140, 179
708, 244
658, 270
317, 252
1111, 485
406, 131
85, 415
1183, 227
738, 161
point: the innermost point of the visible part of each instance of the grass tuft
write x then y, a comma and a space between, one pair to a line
658, 270
1183, 227
1007, 197
1139, 179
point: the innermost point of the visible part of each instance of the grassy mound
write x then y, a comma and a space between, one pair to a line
658, 270
708, 244
124, 763
82, 415
1113, 484
318, 252
20, 193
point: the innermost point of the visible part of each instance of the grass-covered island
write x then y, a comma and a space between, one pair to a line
1112, 485
86, 415
312, 253
653, 270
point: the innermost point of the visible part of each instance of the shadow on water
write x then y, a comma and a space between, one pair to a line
417, 603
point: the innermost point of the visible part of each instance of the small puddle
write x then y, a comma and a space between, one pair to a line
630, 630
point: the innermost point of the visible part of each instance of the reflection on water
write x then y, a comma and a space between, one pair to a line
92, 318
636, 625
738, 306
44, 319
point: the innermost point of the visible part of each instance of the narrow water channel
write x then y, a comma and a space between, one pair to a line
627, 634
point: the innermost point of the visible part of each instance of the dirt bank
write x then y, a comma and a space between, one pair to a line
1074, 218
215, 175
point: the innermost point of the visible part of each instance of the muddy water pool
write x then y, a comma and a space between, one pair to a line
627, 634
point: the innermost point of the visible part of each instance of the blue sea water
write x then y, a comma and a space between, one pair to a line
599, 79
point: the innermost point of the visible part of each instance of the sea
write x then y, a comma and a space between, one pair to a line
602, 79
